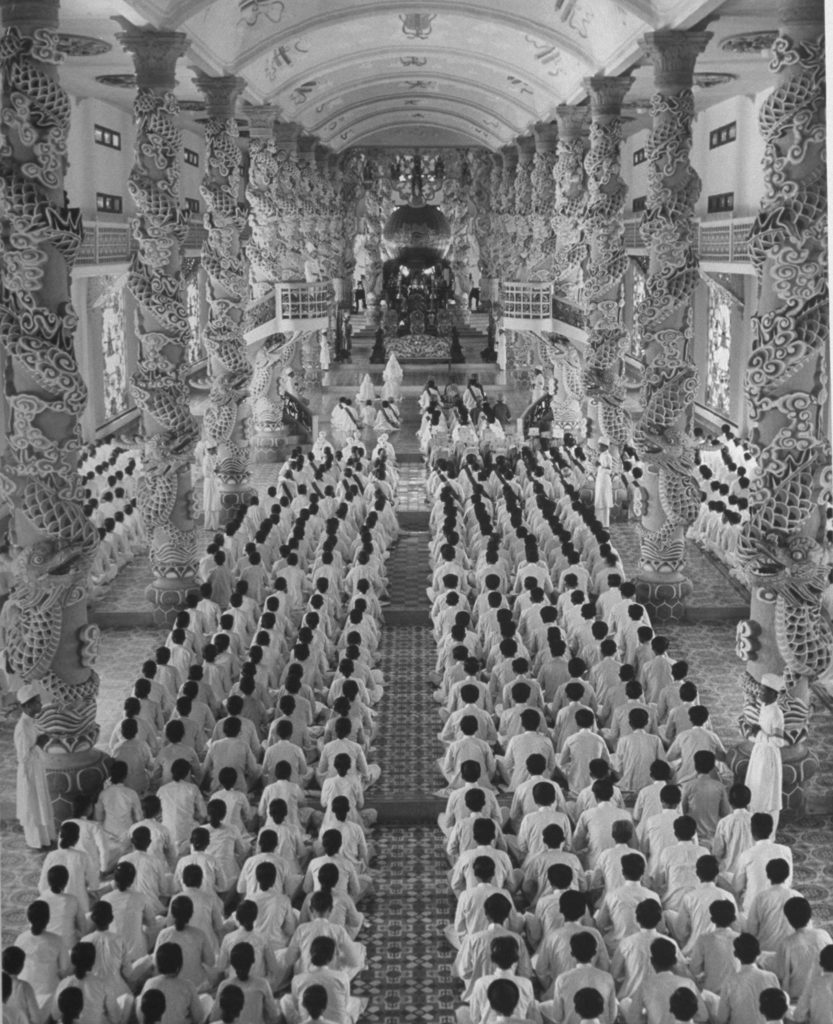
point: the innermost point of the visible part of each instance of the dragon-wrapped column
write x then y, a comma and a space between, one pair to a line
159, 386
228, 413
606, 260
570, 199
48, 640
785, 546
670, 494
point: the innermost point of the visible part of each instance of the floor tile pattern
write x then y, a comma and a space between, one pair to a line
408, 978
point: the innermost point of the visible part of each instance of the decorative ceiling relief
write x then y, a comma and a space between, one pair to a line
548, 56
302, 92
519, 84
413, 62
282, 57
755, 44
709, 79
417, 26
71, 45
117, 81
251, 11
420, 83
574, 15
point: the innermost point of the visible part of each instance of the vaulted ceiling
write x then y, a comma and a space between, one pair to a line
460, 72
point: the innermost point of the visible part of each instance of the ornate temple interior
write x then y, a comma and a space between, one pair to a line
547, 279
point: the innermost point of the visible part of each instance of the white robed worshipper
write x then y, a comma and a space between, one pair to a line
603, 493
366, 393
324, 351
387, 418
343, 421
539, 385
393, 374
34, 807
764, 773
429, 395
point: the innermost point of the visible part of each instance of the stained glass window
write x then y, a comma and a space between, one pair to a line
634, 337
196, 351
718, 395
111, 305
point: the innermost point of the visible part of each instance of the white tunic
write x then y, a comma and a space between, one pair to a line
34, 808
764, 774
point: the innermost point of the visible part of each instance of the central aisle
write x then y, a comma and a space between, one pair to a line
408, 977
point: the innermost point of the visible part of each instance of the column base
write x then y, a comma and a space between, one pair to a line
168, 596
267, 448
231, 500
67, 775
665, 599
799, 763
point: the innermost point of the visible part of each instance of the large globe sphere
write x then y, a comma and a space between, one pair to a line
418, 236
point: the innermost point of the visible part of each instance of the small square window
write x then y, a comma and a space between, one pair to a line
192, 157
638, 204
106, 137
723, 202
724, 134
192, 205
106, 203
639, 156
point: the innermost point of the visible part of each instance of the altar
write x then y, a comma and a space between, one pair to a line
420, 348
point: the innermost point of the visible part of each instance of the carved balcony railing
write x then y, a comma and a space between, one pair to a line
526, 305
721, 241
107, 242
303, 306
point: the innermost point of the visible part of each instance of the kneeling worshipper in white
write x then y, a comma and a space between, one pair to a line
34, 807
343, 421
387, 418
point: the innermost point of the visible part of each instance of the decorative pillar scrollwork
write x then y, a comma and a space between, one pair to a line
159, 384
784, 548
47, 637
606, 259
226, 268
671, 495
541, 238
570, 198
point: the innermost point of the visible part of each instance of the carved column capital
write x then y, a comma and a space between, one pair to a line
526, 149
509, 157
674, 54
28, 15
262, 121
572, 122
546, 136
606, 94
306, 148
154, 52
287, 136
221, 94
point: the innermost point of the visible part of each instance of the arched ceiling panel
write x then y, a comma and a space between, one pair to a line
318, 60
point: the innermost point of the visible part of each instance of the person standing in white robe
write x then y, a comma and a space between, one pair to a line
764, 774
210, 490
324, 351
34, 807
603, 496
